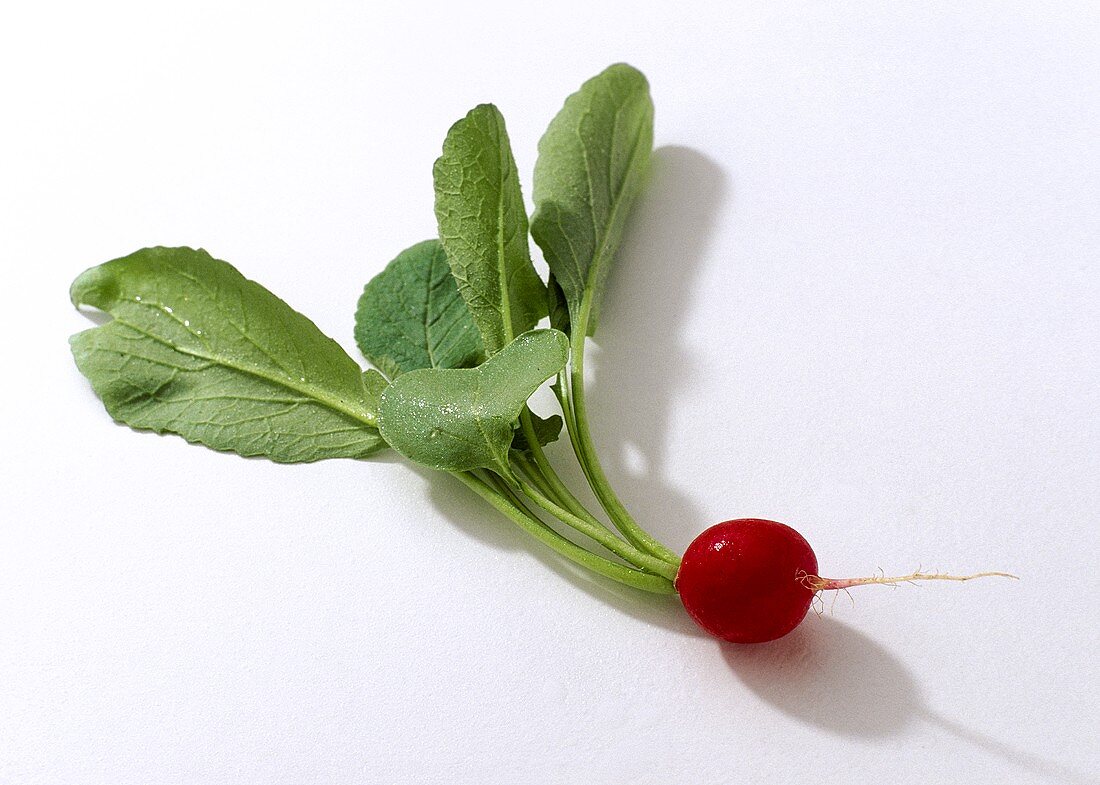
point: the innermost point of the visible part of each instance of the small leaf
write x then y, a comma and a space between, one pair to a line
374, 384
483, 228
556, 306
591, 166
546, 431
411, 316
462, 419
196, 349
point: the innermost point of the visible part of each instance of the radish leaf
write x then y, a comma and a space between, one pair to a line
591, 166
547, 430
483, 228
374, 383
556, 306
197, 350
461, 419
411, 316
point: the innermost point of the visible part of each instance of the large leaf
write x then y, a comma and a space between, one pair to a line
462, 419
483, 228
196, 349
411, 316
591, 166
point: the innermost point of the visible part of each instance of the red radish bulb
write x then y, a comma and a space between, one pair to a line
745, 580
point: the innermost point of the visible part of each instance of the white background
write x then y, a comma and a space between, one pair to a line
860, 296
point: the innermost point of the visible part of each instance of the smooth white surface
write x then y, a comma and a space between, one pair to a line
860, 297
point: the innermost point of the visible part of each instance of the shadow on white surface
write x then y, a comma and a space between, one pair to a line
642, 362
1027, 761
830, 675
834, 677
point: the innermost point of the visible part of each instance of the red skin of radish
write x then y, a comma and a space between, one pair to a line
743, 580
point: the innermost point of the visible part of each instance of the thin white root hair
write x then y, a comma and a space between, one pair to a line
816, 583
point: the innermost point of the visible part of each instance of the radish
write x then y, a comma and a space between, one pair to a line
739, 580
451, 328
752, 580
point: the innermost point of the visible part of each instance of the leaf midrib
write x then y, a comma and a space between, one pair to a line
502, 263
307, 390
428, 312
597, 257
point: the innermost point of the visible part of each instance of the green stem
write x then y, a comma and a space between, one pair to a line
617, 572
513, 486
496, 481
580, 511
600, 534
561, 390
590, 462
542, 473
521, 460
554, 487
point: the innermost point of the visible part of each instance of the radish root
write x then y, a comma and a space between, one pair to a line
816, 583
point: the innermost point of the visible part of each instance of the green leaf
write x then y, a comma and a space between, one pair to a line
411, 316
591, 166
374, 383
461, 419
546, 430
483, 228
556, 305
196, 349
